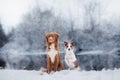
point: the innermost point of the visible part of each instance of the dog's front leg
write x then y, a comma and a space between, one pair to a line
66, 60
49, 68
56, 62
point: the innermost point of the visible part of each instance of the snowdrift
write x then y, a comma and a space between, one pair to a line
62, 75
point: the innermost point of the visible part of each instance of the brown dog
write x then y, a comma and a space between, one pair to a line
53, 56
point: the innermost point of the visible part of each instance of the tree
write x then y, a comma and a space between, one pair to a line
31, 32
3, 38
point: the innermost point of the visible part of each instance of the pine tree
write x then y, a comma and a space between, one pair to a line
3, 38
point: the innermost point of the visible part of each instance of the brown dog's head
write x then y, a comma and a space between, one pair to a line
51, 38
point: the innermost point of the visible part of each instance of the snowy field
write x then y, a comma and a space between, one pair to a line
62, 75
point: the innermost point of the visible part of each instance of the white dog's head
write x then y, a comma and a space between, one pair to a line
69, 46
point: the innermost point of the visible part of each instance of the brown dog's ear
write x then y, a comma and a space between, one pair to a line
46, 36
57, 35
65, 43
72, 43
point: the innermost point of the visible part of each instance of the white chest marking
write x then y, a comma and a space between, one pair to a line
52, 53
70, 58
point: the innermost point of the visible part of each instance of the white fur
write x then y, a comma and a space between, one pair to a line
52, 53
70, 57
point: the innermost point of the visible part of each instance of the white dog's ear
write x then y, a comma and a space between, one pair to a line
72, 43
65, 43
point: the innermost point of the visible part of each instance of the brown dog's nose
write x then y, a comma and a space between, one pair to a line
50, 37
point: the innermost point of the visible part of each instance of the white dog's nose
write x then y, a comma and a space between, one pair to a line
69, 49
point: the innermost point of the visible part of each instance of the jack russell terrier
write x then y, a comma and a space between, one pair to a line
70, 57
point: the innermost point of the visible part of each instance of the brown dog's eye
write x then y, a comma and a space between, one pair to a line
48, 36
70, 46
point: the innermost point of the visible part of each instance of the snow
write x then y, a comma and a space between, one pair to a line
62, 75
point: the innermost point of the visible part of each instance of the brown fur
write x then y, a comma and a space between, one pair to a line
56, 37
57, 65
76, 63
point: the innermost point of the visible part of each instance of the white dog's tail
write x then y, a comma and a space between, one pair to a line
77, 69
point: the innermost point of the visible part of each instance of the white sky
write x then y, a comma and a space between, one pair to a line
11, 11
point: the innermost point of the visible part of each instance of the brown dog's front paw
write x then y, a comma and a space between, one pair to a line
43, 69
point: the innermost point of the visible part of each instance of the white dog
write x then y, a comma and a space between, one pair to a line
70, 58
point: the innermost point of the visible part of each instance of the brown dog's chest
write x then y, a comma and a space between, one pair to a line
52, 53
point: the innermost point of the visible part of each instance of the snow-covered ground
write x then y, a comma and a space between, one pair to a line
62, 75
